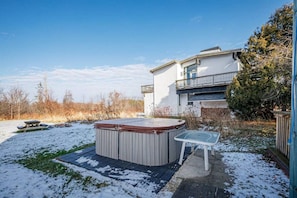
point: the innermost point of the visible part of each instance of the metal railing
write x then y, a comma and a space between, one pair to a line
206, 81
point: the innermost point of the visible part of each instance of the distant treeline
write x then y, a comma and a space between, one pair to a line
14, 104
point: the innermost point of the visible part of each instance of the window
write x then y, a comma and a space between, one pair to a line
191, 74
191, 71
190, 103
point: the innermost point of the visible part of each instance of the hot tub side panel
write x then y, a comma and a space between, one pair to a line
125, 152
143, 148
107, 143
174, 146
148, 148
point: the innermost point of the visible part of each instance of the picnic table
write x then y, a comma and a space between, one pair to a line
205, 138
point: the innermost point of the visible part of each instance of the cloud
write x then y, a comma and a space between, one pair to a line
140, 58
6, 34
83, 83
196, 19
163, 61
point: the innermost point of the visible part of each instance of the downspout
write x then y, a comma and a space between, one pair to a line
293, 132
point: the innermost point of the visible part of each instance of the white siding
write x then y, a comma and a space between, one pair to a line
165, 89
217, 65
185, 108
165, 81
209, 66
148, 103
188, 63
183, 103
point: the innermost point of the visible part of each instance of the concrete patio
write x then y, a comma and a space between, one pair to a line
191, 180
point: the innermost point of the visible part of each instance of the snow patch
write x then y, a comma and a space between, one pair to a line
93, 163
255, 177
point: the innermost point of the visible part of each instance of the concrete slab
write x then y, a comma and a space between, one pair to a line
193, 167
212, 184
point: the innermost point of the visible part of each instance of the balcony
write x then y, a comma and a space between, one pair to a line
147, 89
216, 80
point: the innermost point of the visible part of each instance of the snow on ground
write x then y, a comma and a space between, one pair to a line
253, 176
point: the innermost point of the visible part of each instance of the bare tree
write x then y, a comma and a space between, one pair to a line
2, 104
68, 104
39, 99
45, 102
17, 101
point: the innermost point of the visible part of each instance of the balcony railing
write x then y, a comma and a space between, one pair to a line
206, 81
147, 89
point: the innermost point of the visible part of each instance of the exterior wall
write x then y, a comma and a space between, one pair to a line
210, 65
215, 109
148, 103
215, 65
165, 89
185, 107
165, 97
183, 103
214, 104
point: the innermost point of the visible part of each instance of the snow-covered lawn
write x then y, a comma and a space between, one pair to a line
253, 176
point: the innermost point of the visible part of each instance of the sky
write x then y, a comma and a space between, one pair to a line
94, 47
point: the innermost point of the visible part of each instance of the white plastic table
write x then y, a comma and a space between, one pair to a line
205, 138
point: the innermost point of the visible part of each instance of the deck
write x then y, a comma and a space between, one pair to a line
206, 81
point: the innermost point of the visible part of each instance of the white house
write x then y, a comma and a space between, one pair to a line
192, 84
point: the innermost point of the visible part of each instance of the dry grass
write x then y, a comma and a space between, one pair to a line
76, 116
220, 120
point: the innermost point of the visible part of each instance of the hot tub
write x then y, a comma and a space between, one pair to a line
143, 141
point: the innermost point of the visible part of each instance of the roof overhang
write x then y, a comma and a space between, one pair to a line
200, 56
164, 65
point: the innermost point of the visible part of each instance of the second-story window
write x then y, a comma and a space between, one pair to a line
191, 74
191, 71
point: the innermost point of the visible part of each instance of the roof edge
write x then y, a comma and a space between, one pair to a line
211, 54
195, 57
164, 65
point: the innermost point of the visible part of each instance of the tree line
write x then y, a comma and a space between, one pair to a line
15, 104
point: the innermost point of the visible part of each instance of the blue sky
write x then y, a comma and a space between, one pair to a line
93, 47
